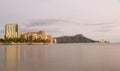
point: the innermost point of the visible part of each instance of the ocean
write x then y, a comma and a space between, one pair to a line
61, 57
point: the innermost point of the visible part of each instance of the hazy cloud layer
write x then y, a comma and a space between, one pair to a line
45, 22
100, 24
102, 30
102, 27
106, 26
96, 27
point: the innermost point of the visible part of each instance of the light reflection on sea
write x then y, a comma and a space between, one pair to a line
60, 57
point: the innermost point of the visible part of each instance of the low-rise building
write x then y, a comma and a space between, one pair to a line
38, 35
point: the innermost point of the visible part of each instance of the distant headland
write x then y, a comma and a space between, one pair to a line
79, 38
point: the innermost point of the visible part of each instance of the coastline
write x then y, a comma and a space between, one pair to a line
25, 43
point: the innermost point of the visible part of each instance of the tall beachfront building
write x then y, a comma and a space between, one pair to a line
12, 31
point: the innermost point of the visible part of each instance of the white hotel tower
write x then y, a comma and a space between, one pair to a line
12, 31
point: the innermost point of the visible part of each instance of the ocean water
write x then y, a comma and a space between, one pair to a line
60, 57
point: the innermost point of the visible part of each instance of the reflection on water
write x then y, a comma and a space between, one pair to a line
24, 57
12, 58
60, 57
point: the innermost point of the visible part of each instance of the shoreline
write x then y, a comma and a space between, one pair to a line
25, 43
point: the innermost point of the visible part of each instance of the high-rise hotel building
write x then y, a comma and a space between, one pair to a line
12, 31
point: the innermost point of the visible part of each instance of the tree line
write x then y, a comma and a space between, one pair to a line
22, 40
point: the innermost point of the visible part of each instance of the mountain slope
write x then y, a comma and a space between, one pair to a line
74, 39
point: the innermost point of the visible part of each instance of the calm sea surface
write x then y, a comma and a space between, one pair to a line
60, 57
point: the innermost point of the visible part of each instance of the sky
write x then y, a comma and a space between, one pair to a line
95, 19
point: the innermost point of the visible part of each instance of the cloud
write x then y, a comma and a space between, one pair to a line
49, 24
102, 30
100, 24
102, 27
106, 26
44, 22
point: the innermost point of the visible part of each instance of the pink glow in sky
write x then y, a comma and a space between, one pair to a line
96, 19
